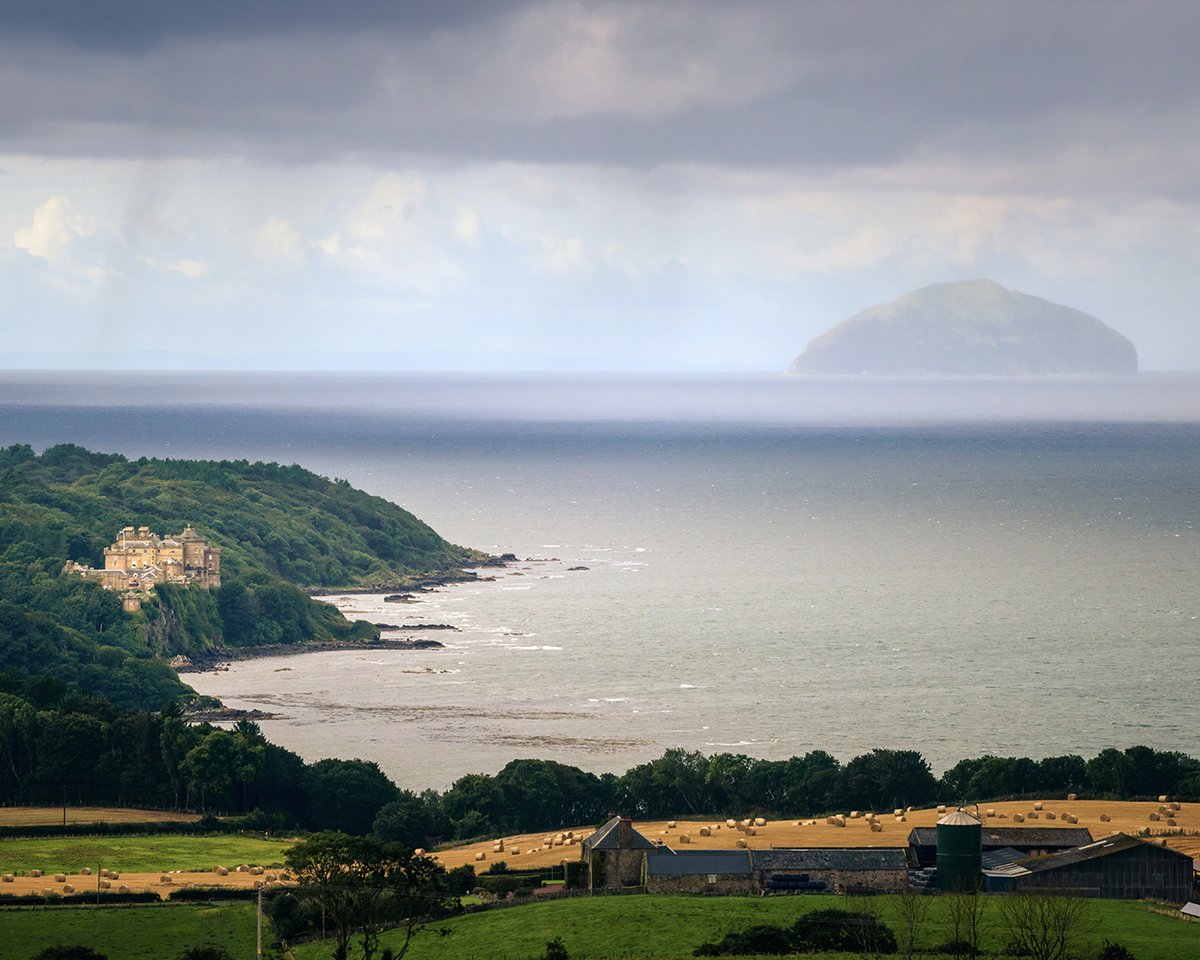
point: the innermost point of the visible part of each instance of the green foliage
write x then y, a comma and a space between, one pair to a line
555, 950
77, 952
834, 929
206, 952
763, 939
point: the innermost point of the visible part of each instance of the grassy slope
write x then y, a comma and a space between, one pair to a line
131, 932
669, 928
138, 854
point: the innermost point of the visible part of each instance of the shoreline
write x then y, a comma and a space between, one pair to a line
217, 659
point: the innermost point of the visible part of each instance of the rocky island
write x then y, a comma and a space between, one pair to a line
971, 328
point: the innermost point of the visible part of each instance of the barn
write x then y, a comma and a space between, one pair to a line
839, 870
1031, 841
1119, 867
699, 871
615, 855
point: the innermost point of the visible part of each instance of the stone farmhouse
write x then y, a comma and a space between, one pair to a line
139, 560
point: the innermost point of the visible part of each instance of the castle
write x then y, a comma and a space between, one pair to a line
139, 560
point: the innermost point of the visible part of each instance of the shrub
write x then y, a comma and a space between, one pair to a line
69, 953
834, 929
1114, 951
763, 939
555, 950
206, 952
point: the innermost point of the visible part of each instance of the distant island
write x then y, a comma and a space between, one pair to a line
971, 328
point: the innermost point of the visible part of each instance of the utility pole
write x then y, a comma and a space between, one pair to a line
259, 954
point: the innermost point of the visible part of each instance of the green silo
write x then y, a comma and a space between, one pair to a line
959, 852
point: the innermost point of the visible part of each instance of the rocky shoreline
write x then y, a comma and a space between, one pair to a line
220, 659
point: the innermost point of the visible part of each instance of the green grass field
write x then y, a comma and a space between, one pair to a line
129, 932
670, 927
138, 854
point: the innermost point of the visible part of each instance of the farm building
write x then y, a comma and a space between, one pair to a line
699, 871
1031, 841
616, 856
839, 870
1119, 867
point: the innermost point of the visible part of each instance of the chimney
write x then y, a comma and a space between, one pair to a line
625, 834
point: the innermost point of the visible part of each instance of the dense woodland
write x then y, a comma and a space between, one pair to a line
281, 529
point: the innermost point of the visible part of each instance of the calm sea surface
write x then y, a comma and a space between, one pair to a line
772, 565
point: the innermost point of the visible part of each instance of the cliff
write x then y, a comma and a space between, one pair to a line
973, 328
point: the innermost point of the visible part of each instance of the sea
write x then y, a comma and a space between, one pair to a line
752, 564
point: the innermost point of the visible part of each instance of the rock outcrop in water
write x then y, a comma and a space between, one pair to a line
973, 328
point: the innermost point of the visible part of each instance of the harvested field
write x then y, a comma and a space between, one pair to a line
1125, 817
53, 816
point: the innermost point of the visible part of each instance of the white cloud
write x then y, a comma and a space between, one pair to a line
558, 255
278, 240
192, 269
467, 225
55, 228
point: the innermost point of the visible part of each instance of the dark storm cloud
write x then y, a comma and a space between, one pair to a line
138, 25
818, 84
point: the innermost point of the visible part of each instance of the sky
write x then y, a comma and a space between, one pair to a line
564, 186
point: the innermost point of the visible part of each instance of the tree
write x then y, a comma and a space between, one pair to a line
966, 920
912, 907
1044, 926
220, 762
346, 794
364, 885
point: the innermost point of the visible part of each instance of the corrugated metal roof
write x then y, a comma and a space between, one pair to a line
607, 838
1117, 843
665, 862
1190, 909
1039, 837
1000, 856
830, 858
959, 818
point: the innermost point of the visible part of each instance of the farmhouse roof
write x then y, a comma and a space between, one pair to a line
666, 862
830, 858
607, 838
992, 837
1117, 843
1002, 856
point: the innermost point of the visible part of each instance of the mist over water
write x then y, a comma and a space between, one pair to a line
773, 565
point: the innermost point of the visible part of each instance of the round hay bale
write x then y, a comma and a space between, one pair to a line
547, 841
1070, 818
104, 874
855, 814
480, 856
941, 808
515, 851
7, 878
60, 878
35, 873
1105, 818
166, 878
876, 827
1072, 797
1176, 805
1163, 808
419, 852
731, 823
705, 832
67, 888
104, 884
1050, 815
1162, 798
1033, 815
1038, 805
898, 812
243, 868
571, 833
839, 821
85, 872
760, 821
1154, 818
221, 872
271, 878
670, 824
829, 820
257, 871
751, 832
684, 838
741, 844
1170, 821
1018, 818
258, 884
991, 812
910, 809
122, 889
